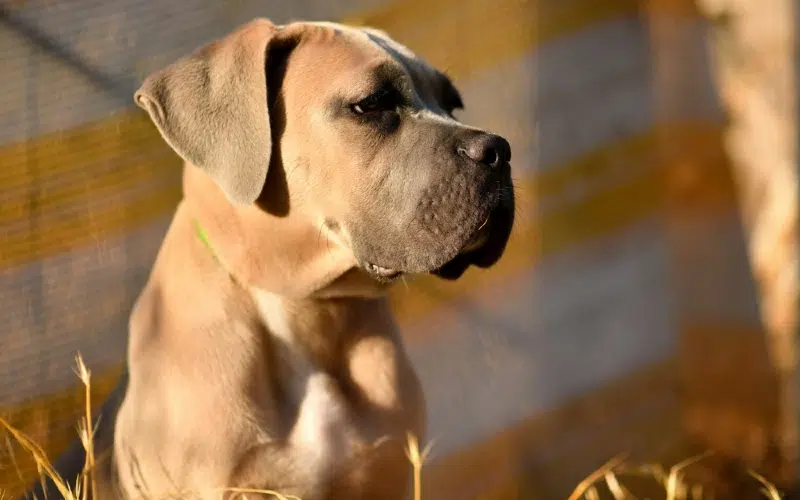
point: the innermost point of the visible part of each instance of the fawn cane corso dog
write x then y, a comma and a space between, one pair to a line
323, 163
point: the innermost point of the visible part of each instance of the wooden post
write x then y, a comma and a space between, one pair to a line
732, 220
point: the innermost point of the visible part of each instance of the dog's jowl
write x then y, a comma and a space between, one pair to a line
322, 164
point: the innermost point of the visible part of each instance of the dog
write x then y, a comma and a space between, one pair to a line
322, 164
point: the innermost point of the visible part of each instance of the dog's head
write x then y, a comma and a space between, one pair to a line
344, 135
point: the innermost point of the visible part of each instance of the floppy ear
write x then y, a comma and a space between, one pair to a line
211, 108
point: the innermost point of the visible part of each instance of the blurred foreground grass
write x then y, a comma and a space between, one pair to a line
609, 481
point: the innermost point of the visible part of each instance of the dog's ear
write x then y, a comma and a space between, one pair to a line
211, 108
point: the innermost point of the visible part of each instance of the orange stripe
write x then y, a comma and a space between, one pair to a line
470, 28
87, 226
513, 460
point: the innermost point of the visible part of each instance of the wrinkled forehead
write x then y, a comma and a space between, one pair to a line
362, 56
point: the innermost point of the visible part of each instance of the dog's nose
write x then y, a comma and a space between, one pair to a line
487, 149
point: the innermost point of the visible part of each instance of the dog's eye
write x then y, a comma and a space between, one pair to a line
382, 100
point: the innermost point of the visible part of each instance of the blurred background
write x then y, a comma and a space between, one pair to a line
647, 303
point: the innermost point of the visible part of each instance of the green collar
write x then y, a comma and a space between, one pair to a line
203, 237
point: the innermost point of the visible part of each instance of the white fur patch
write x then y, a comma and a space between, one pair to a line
322, 414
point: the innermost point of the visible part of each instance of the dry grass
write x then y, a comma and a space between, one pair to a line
608, 477
672, 481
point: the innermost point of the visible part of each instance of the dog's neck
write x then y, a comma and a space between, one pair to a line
288, 254
198, 284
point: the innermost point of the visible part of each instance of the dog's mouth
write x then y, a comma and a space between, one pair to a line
485, 248
480, 237
475, 243
381, 273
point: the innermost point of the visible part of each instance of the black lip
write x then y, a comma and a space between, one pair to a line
454, 269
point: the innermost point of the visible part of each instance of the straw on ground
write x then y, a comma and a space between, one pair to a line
608, 475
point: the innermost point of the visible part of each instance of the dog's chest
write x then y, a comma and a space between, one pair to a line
320, 416
322, 428
338, 452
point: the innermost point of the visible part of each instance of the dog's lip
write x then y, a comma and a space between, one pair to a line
479, 238
380, 272
485, 248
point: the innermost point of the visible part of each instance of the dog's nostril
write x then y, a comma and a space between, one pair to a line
487, 149
492, 158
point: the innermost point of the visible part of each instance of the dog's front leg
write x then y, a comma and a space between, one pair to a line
301, 465
268, 468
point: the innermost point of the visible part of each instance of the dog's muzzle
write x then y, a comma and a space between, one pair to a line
463, 214
487, 245
483, 248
